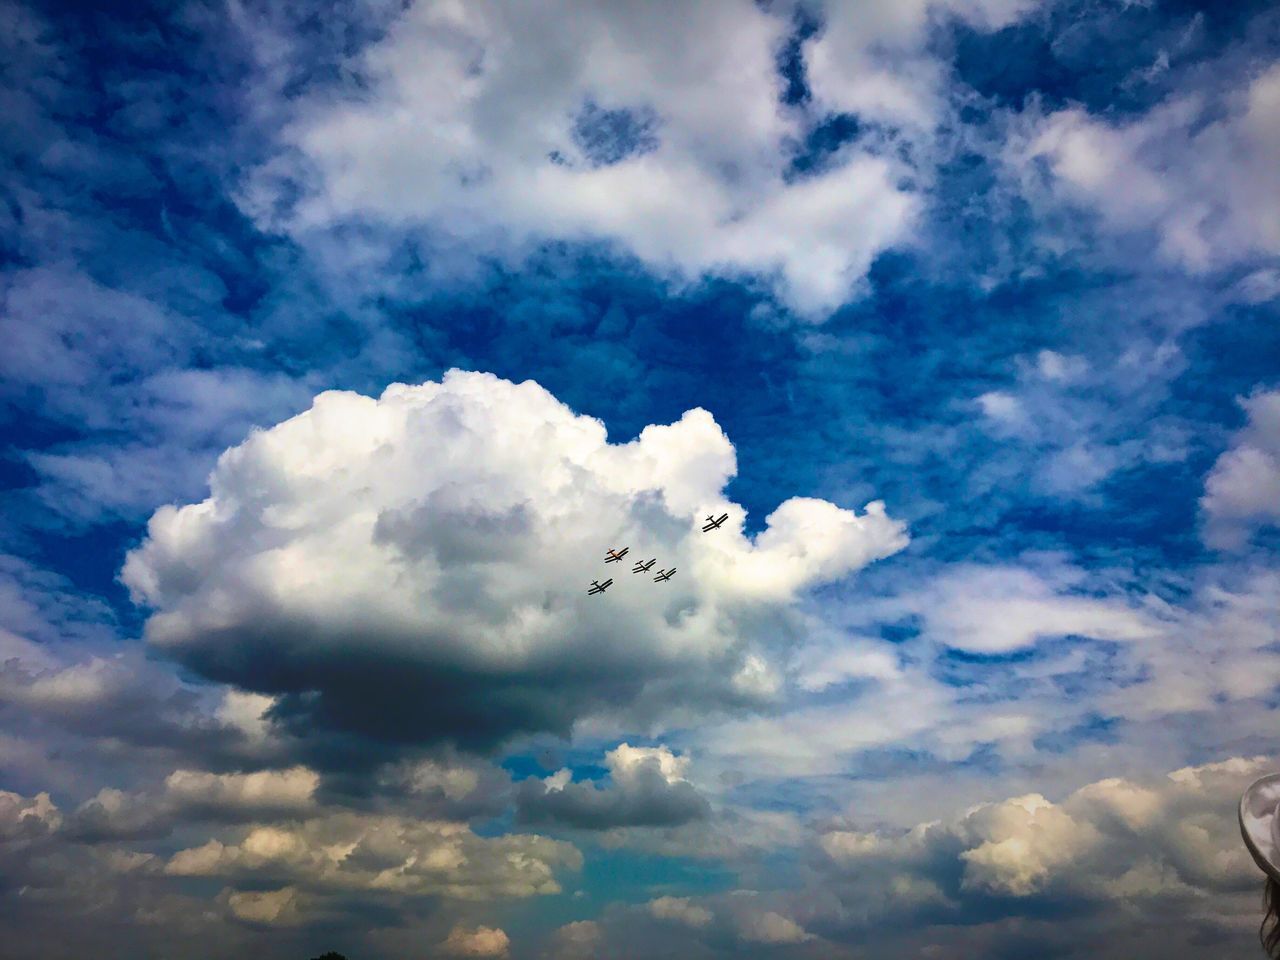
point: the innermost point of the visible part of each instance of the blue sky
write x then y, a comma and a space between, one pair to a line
341, 341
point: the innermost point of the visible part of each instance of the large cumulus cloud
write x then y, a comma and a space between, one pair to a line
413, 568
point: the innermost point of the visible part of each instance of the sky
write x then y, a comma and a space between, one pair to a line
339, 343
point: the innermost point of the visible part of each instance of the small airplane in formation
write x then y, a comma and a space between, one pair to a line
644, 567
713, 523
598, 587
613, 556
665, 575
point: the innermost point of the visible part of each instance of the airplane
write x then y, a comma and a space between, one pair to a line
665, 574
598, 587
713, 523
644, 567
613, 556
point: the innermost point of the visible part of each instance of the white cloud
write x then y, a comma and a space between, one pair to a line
771, 927
1220, 648
190, 795
112, 814
1003, 408
870, 58
27, 818
680, 910
272, 907
1022, 842
647, 789
1072, 422
476, 942
350, 852
626, 763
1260, 286
454, 782
500, 124
283, 792
247, 713
1242, 491
1087, 649
1054, 366
1166, 171
124, 698
74, 338
579, 940
1150, 844
1002, 609
819, 667
442, 537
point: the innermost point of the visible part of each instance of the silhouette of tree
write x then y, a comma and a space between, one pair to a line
331, 956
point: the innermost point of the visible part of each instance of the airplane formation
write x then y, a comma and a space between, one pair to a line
644, 566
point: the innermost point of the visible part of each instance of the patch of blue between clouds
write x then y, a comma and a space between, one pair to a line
609, 135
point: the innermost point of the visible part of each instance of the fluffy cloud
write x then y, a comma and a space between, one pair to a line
27, 818
648, 789
414, 568
450, 787
125, 699
477, 942
346, 852
74, 338
1071, 650
189, 795
112, 814
1242, 492
1165, 171
771, 927
111, 361
589, 121
680, 910
269, 907
1068, 424
264, 793
870, 59
1144, 843
578, 940
1002, 609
